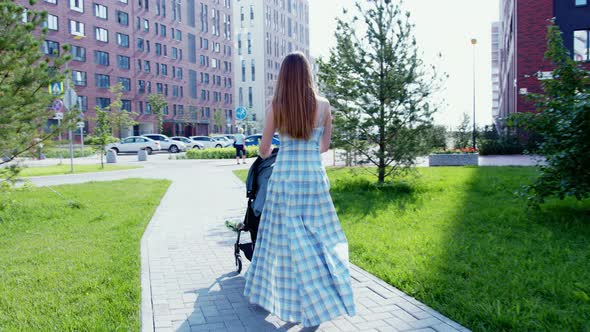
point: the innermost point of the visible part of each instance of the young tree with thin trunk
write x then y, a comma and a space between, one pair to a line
157, 104
120, 118
378, 86
25, 75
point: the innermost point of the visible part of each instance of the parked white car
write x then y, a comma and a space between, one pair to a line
224, 140
133, 144
190, 144
207, 141
167, 144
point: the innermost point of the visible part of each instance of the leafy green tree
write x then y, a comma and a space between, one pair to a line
120, 118
436, 138
563, 122
25, 75
158, 103
462, 134
103, 132
379, 87
218, 120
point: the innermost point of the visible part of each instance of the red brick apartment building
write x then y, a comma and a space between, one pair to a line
179, 48
523, 30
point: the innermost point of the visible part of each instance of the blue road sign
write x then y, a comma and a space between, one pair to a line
56, 88
241, 113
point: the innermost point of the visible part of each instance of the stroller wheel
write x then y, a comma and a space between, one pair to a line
239, 264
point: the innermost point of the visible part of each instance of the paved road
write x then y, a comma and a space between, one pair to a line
188, 278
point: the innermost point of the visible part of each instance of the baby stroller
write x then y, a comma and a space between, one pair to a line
256, 183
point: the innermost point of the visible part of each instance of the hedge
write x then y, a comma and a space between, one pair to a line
499, 147
224, 153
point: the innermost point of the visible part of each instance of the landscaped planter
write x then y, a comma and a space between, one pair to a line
453, 159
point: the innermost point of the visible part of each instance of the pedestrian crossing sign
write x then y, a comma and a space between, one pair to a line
56, 88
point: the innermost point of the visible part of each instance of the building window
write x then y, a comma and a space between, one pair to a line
581, 2
77, 28
77, 5
146, 25
174, 53
126, 105
178, 35
102, 81
101, 34
51, 1
125, 82
79, 78
164, 69
179, 73
158, 49
82, 103
581, 46
253, 71
101, 58
51, 48
146, 66
249, 43
123, 62
100, 11
243, 70
103, 102
122, 18
51, 22
141, 86
139, 44
122, 39
78, 53
162, 30
250, 97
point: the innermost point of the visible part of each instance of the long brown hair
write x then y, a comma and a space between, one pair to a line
294, 103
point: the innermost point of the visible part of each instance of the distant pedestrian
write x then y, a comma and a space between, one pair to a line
239, 140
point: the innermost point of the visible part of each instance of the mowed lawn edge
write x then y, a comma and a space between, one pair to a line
73, 263
460, 240
64, 169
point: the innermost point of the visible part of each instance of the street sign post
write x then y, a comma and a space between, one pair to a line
80, 126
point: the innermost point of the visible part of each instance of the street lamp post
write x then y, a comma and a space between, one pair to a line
473, 42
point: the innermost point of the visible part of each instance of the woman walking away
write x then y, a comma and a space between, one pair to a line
299, 270
239, 145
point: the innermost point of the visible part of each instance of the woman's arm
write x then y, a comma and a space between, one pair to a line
269, 129
327, 136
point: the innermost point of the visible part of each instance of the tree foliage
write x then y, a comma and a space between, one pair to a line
102, 132
158, 103
462, 135
120, 118
379, 87
218, 120
563, 122
25, 74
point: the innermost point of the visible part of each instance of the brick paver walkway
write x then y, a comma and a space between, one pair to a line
188, 274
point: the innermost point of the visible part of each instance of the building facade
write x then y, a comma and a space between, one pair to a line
265, 32
180, 49
495, 69
523, 31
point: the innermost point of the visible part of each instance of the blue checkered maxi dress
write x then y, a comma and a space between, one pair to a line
299, 270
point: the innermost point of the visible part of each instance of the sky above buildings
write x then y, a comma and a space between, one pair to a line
441, 27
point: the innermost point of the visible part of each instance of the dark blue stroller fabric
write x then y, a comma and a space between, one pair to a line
256, 185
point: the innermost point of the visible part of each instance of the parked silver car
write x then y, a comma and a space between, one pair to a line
133, 144
190, 144
167, 144
207, 141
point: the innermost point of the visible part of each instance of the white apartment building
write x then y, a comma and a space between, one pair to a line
265, 31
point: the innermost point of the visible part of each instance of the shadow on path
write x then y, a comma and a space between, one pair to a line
222, 307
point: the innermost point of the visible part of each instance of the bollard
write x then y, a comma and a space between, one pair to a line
142, 155
111, 157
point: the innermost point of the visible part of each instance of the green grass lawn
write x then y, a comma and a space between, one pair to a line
74, 266
459, 240
65, 169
